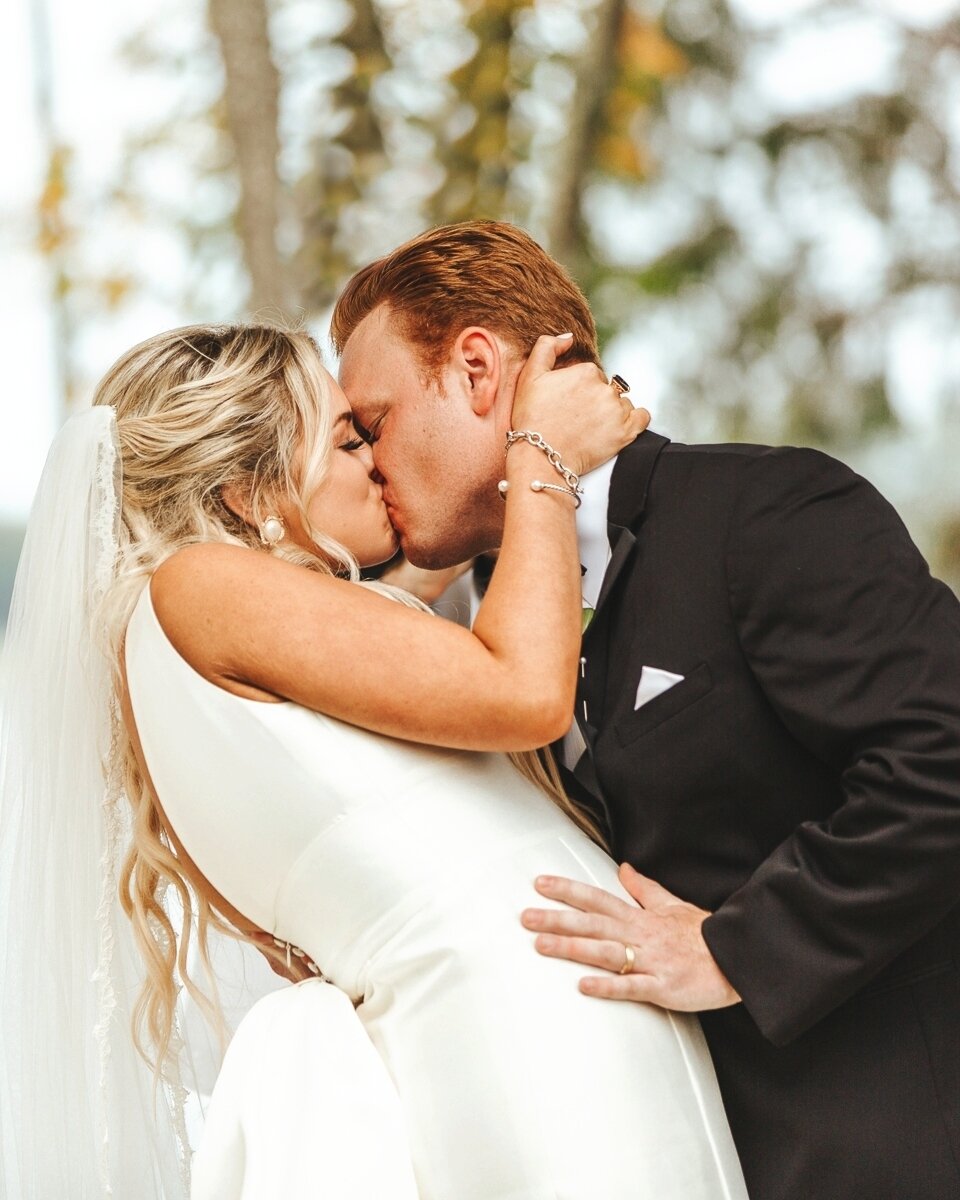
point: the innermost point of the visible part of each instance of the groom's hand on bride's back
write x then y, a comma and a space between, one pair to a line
652, 951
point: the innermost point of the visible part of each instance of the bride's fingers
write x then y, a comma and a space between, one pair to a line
546, 350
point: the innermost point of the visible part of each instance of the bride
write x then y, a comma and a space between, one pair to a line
324, 761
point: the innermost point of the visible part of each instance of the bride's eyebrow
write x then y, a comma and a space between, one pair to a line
344, 417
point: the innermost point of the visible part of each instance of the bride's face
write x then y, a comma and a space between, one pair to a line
348, 506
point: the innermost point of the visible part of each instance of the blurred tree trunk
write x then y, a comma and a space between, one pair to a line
252, 97
343, 166
54, 233
594, 76
478, 162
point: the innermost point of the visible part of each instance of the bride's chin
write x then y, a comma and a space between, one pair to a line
375, 558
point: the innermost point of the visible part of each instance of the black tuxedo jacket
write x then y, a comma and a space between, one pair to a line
803, 784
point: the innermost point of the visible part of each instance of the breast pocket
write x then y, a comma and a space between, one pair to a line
668, 704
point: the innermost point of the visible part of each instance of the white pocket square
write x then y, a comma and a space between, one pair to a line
654, 682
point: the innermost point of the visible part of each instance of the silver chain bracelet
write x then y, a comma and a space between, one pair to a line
570, 478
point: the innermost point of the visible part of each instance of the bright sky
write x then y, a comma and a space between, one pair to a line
96, 101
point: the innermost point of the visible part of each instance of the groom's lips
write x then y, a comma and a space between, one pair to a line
391, 513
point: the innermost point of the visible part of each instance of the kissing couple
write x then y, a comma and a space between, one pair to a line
726, 668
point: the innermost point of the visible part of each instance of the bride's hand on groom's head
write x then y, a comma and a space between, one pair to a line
575, 409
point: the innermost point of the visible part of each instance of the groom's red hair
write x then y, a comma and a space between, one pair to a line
474, 273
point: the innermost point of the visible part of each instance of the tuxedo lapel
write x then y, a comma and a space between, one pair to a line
630, 482
629, 486
622, 542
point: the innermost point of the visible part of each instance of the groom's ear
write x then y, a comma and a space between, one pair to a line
477, 361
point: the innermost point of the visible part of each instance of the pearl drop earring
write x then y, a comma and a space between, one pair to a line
272, 531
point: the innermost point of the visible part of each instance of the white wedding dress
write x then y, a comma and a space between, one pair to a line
402, 871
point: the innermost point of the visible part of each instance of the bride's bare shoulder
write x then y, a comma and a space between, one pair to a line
215, 570
199, 575
205, 564
201, 593
211, 600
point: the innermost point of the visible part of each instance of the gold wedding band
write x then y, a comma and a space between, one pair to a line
629, 958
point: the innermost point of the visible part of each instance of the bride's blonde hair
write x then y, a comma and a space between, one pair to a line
199, 408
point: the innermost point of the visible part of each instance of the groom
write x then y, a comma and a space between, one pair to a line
768, 722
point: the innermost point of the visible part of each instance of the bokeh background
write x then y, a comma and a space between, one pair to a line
761, 198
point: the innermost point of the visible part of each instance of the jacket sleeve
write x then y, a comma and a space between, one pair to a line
857, 649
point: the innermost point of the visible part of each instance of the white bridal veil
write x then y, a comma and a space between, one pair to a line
77, 1114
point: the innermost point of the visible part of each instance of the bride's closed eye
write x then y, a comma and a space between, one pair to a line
354, 444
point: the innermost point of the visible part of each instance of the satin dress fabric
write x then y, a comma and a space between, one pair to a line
303, 1108
402, 870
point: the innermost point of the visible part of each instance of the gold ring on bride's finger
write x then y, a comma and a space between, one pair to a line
620, 384
629, 958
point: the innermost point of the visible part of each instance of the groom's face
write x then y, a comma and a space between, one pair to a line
437, 440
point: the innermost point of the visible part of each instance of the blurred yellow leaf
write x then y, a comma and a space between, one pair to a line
115, 289
52, 195
49, 240
619, 154
645, 47
53, 232
620, 106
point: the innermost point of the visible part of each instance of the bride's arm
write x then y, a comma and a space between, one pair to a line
344, 650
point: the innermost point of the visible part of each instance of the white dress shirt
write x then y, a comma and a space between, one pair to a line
592, 531
594, 556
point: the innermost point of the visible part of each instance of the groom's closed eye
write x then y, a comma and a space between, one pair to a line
369, 434
364, 432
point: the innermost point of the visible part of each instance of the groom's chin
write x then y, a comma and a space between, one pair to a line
429, 557
433, 557
426, 558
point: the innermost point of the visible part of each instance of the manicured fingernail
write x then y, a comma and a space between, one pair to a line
564, 335
545, 942
544, 880
530, 916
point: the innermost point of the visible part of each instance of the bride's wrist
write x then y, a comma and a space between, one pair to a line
556, 457
529, 470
